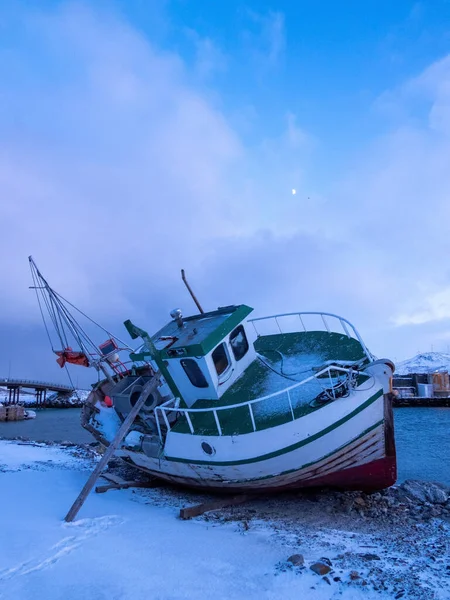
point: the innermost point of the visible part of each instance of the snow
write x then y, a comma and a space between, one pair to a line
295, 368
427, 362
107, 422
134, 438
13, 455
126, 546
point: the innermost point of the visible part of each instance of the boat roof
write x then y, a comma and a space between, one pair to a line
200, 333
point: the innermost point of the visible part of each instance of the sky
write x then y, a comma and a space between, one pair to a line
139, 138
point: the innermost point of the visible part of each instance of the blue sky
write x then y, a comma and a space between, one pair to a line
138, 138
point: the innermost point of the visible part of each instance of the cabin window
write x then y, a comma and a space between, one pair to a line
220, 359
239, 343
194, 372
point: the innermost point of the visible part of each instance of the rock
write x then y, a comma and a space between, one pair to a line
320, 568
327, 580
354, 575
426, 491
297, 560
376, 497
369, 556
326, 560
360, 501
337, 579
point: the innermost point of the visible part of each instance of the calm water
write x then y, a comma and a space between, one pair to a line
422, 434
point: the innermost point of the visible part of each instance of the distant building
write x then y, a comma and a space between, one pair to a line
422, 385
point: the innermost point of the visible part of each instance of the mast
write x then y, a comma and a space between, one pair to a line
194, 298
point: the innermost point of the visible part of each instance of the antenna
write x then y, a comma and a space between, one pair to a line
183, 277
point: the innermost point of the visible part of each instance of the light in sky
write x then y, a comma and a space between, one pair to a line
294, 191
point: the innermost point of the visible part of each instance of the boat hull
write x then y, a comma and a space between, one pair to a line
353, 452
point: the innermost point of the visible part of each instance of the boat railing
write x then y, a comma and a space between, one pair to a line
172, 405
307, 321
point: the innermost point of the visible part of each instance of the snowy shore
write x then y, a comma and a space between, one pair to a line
130, 544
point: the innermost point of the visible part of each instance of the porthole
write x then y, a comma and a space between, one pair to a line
208, 449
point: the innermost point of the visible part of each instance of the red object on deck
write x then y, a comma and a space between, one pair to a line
70, 356
108, 401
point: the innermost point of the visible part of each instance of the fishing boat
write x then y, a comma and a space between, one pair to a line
240, 403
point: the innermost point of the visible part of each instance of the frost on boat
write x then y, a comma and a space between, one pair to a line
287, 401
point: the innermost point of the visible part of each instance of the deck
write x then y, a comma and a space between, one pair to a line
296, 355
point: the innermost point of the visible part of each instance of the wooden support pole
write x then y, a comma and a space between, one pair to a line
148, 389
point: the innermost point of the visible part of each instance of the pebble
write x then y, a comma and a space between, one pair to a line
297, 560
320, 568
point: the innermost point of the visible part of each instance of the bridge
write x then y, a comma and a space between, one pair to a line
15, 386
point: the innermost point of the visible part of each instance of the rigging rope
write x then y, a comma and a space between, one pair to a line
40, 307
71, 383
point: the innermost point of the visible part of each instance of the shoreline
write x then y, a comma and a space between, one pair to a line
421, 402
324, 544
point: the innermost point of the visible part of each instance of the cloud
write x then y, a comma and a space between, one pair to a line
118, 168
110, 161
266, 36
396, 200
209, 58
435, 307
115, 170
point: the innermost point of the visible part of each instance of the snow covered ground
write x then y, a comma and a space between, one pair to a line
131, 545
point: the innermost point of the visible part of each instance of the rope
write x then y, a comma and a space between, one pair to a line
71, 383
94, 322
40, 307
274, 370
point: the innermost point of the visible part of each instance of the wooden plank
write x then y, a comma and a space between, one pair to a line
148, 389
100, 489
200, 509
114, 478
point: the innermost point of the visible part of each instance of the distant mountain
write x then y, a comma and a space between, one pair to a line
428, 362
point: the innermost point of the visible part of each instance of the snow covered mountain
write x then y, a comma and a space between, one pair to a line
428, 362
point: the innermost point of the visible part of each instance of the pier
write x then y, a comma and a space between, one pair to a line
412, 401
41, 388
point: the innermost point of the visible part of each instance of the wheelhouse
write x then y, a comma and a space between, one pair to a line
202, 356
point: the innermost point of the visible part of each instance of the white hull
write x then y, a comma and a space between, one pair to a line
347, 436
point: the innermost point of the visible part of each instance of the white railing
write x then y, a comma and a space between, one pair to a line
298, 322
172, 405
